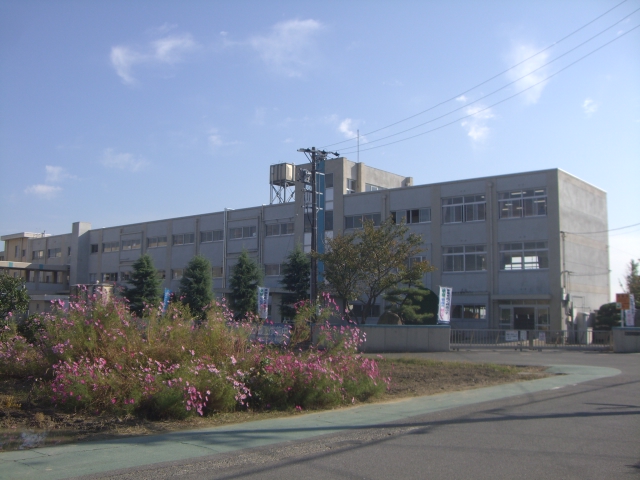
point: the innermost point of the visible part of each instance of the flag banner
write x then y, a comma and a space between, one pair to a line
263, 302
165, 301
444, 305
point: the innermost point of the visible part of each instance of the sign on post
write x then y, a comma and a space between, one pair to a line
444, 305
165, 301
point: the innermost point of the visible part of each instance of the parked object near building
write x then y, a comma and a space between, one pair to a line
524, 251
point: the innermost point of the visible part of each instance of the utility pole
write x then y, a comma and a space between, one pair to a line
315, 157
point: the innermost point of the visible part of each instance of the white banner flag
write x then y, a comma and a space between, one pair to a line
444, 305
263, 302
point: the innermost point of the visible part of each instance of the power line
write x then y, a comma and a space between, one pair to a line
489, 79
497, 90
604, 231
503, 100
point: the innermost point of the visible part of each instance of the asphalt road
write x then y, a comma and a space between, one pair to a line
584, 424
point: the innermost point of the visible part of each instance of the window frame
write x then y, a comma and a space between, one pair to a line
527, 262
457, 209
462, 257
523, 201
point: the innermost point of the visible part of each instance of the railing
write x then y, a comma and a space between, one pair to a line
273, 333
531, 339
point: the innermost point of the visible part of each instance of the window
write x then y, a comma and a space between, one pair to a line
133, 244
24, 253
328, 220
523, 203
126, 276
469, 208
94, 248
177, 273
211, 236
68, 251
242, 232
372, 188
328, 180
216, 272
524, 256
272, 270
356, 221
36, 254
93, 278
110, 277
469, 311
16, 251
464, 258
111, 246
162, 274
155, 242
417, 215
279, 229
357, 310
184, 239
54, 253
351, 185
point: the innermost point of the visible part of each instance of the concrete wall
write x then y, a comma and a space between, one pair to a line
626, 340
405, 338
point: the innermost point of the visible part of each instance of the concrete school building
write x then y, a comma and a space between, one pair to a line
521, 251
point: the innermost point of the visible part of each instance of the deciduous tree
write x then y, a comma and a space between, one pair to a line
14, 298
368, 262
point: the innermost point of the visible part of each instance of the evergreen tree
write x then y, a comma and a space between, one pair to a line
246, 276
296, 278
146, 285
196, 286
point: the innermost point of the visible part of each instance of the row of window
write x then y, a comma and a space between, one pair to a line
51, 253
277, 229
513, 256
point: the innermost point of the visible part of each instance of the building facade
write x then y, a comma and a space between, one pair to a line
521, 251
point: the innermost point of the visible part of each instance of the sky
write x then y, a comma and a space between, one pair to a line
116, 112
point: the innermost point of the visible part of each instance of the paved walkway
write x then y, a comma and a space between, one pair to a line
95, 457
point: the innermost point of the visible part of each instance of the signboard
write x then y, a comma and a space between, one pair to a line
511, 336
263, 302
444, 305
624, 300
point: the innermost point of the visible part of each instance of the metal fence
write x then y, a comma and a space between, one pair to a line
531, 339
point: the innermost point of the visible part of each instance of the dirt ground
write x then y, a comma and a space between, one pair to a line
22, 427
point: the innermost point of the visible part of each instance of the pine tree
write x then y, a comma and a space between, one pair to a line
196, 286
246, 276
296, 280
146, 285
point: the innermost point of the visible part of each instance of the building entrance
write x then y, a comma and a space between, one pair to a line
524, 318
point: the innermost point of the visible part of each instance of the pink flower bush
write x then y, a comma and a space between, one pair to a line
93, 355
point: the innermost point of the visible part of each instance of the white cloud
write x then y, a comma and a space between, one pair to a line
123, 161
349, 130
589, 107
476, 124
461, 98
215, 140
288, 49
168, 50
44, 191
56, 174
519, 53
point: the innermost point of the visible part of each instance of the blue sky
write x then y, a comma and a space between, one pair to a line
119, 112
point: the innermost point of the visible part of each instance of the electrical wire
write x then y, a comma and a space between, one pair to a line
501, 101
604, 231
488, 80
499, 89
